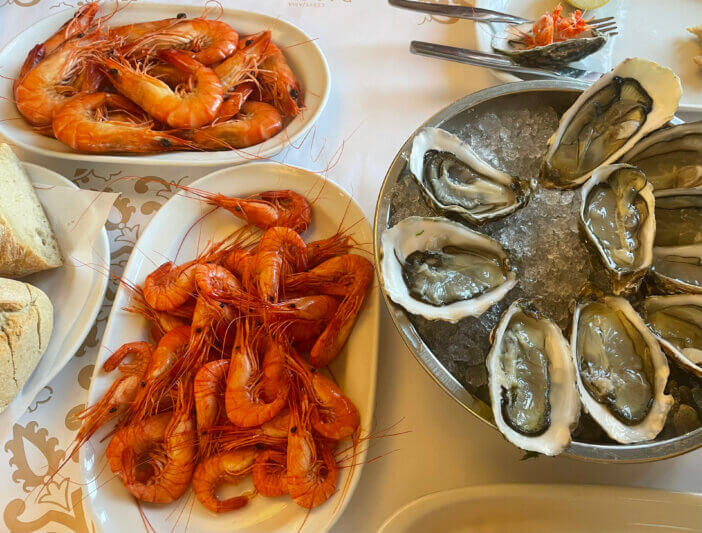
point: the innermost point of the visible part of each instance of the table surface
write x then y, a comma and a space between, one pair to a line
380, 94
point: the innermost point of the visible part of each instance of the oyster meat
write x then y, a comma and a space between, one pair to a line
441, 270
632, 100
671, 158
511, 43
678, 268
455, 180
678, 217
620, 368
617, 216
677, 322
532, 381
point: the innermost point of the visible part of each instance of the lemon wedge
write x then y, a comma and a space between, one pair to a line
587, 4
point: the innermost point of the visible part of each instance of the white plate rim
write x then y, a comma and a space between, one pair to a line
434, 500
211, 158
366, 420
103, 243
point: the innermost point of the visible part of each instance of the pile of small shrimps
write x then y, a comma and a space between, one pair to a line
231, 384
157, 86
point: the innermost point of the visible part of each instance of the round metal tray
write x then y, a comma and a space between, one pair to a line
559, 94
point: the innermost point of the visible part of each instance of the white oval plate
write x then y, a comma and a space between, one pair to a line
523, 508
645, 30
76, 294
306, 60
113, 508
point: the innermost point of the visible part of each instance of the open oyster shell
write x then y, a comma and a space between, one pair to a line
677, 268
677, 322
671, 157
455, 179
617, 216
442, 270
620, 368
635, 98
678, 217
511, 43
532, 381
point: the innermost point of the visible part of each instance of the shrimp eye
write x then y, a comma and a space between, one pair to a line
113, 409
293, 93
237, 209
181, 16
143, 383
198, 330
222, 305
292, 306
313, 370
270, 298
248, 42
293, 429
164, 142
113, 71
259, 446
80, 35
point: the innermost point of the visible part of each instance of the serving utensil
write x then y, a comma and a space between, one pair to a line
499, 62
604, 25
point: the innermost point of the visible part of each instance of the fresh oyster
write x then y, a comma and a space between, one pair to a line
677, 322
671, 158
617, 215
441, 270
532, 381
456, 180
511, 43
678, 217
607, 119
678, 268
621, 370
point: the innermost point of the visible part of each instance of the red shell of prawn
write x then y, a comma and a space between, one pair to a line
552, 27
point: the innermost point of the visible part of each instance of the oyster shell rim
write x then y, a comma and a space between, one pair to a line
626, 69
390, 270
654, 421
558, 436
435, 138
627, 280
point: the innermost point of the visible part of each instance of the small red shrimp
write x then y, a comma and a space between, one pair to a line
206, 41
208, 390
269, 473
312, 469
278, 249
256, 122
155, 458
242, 399
228, 467
279, 86
141, 355
235, 100
334, 416
294, 211
242, 65
85, 123
349, 273
170, 286
46, 86
81, 23
319, 308
189, 108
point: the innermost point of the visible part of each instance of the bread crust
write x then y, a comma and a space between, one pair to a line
26, 322
17, 260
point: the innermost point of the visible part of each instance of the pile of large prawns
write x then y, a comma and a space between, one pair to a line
173, 84
226, 388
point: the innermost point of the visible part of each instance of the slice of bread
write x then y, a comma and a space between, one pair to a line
26, 322
27, 242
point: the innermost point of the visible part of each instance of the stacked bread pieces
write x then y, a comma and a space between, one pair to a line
27, 245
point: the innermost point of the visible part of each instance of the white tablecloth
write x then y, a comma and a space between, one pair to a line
380, 94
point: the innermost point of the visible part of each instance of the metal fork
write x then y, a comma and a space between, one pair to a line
605, 25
